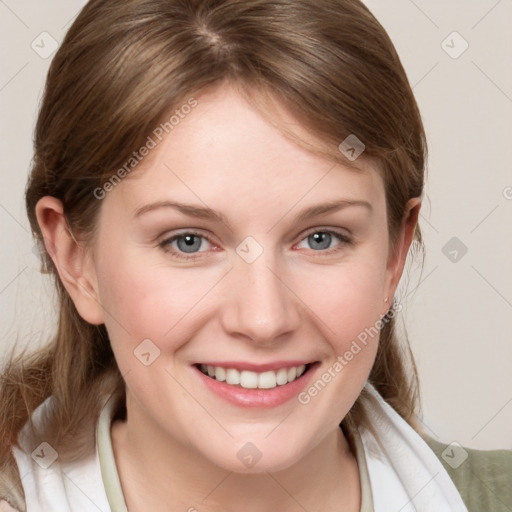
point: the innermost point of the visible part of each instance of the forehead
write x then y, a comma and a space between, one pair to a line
226, 151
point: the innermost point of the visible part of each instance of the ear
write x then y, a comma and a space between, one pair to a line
71, 258
398, 253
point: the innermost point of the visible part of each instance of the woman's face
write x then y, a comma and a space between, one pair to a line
233, 248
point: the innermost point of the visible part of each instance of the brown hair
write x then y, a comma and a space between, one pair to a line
124, 64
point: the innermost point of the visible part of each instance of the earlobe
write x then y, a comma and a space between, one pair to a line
398, 254
71, 259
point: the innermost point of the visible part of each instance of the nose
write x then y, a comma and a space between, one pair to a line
260, 304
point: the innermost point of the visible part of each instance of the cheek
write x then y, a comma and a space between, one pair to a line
147, 301
348, 304
346, 299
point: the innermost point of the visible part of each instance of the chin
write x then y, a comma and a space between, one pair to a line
258, 456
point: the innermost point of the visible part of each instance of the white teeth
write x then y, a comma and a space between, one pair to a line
267, 380
252, 380
282, 376
249, 379
220, 373
232, 377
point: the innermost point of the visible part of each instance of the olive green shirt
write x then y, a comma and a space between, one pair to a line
483, 479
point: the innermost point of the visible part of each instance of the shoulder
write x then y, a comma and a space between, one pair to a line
12, 497
5, 507
482, 477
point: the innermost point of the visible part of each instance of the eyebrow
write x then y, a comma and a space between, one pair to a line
203, 212
330, 207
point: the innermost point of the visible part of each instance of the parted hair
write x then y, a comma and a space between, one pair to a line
122, 66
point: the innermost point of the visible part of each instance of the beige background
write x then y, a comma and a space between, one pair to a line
459, 313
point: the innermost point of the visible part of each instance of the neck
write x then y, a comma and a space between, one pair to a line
156, 470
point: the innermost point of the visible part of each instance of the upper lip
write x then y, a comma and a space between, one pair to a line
258, 368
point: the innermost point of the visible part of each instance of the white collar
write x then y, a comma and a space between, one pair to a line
405, 475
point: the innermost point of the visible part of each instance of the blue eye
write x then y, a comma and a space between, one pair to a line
189, 243
325, 239
185, 243
320, 240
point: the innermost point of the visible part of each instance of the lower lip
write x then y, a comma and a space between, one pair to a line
262, 398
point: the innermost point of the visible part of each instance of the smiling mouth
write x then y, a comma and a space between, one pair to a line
254, 380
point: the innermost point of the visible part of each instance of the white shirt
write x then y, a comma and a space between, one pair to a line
398, 471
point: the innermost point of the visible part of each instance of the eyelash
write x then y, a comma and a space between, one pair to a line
168, 241
342, 237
